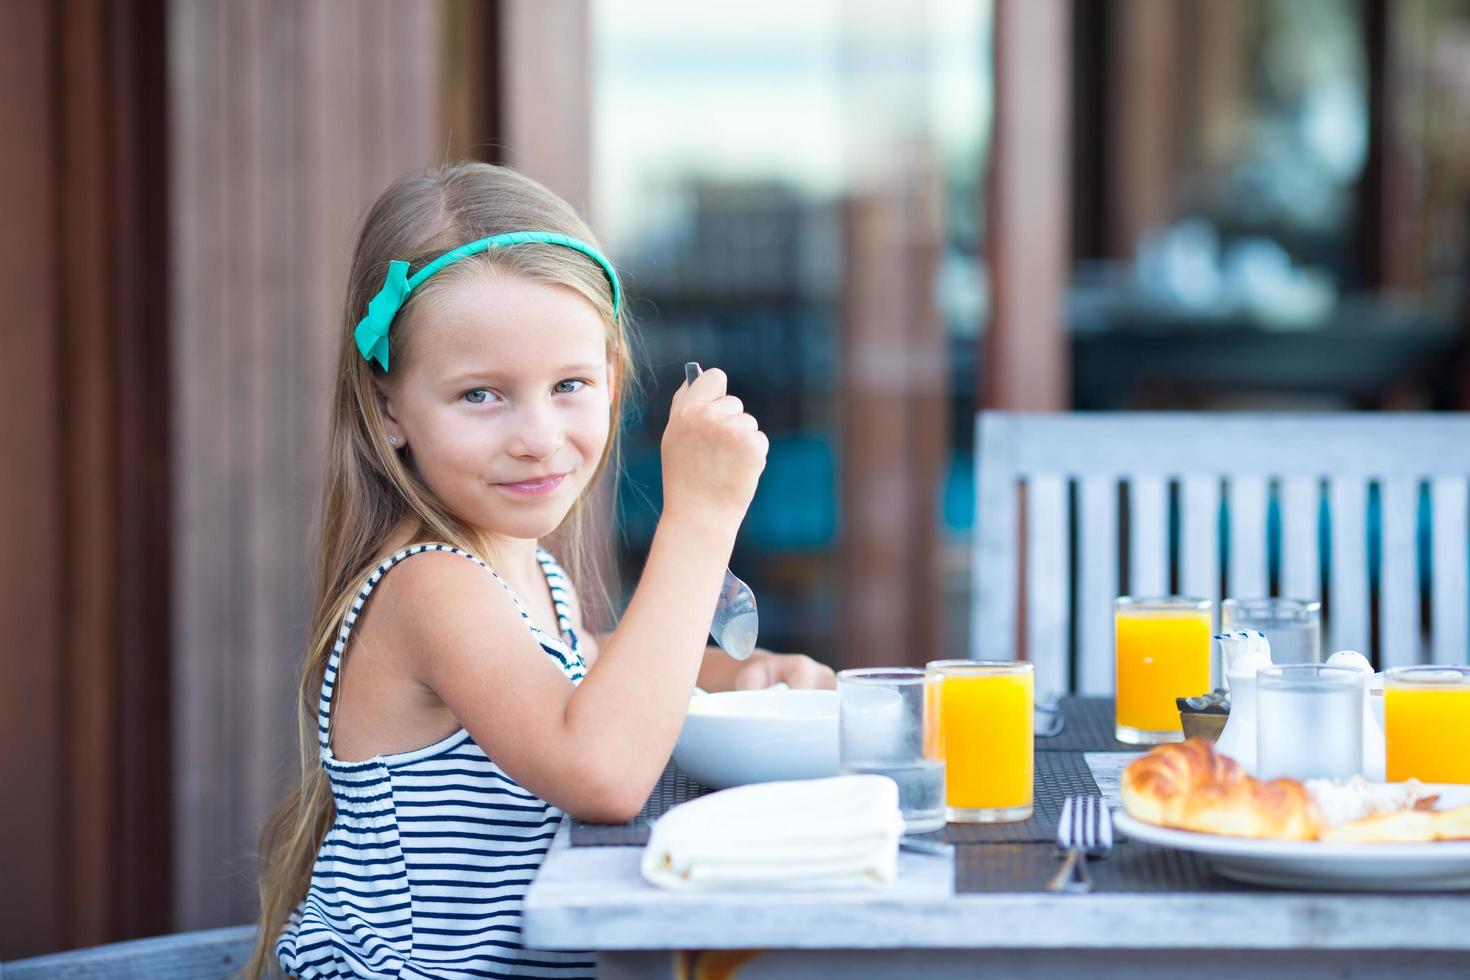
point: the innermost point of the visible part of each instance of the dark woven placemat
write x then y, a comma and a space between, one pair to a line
1132, 867
1057, 776
673, 788
1087, 727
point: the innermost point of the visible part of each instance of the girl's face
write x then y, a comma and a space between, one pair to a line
505, 401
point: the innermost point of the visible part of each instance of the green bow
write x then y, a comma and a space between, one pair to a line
372, 330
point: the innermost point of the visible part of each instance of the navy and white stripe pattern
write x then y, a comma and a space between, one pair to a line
426, 868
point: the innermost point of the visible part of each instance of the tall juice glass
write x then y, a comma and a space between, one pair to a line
1163, 651
986, 721
1426, 720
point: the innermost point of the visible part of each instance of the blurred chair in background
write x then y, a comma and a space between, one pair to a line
1074, 510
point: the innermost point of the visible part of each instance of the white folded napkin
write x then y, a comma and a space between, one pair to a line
800, 835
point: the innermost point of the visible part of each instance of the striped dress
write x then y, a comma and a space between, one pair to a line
424, 872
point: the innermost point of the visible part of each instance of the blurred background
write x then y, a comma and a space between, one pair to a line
876, 217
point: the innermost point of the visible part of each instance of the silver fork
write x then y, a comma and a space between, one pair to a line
1084, 830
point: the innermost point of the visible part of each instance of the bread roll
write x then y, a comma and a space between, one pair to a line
1190, 786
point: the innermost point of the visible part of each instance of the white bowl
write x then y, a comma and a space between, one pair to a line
738, 737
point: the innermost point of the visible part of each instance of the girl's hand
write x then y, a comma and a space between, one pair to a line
765, 668
713, 454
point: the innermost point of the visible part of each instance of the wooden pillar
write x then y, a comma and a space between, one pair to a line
1391, 192
893, 428
1025, 363
1144, 95
287, 120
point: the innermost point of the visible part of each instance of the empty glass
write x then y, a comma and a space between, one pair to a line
888, 724
1293, 626
1309, 722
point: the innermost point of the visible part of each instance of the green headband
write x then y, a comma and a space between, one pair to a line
372, 330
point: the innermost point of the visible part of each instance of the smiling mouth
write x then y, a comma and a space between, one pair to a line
536, 487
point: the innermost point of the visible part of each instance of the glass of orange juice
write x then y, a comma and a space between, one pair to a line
985, 719
1426, 720
1163, 651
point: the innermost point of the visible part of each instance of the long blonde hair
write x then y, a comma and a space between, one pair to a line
372, 490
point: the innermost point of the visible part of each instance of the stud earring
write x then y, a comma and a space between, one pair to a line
392, 440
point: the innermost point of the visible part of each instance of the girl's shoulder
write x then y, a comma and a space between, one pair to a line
433, 582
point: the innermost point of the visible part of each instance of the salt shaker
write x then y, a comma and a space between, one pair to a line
1375, 762
1244, 652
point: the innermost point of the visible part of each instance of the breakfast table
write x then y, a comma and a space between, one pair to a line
983, 910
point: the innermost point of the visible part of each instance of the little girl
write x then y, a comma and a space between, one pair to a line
452, 706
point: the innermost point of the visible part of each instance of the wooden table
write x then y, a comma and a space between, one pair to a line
593, 898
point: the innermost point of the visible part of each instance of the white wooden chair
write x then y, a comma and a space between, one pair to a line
203, 955
1063, 476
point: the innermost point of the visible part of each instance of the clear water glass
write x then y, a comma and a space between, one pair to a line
1293, 626
888, 724
1309, 722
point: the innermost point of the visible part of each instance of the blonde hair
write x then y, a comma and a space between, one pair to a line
371, 489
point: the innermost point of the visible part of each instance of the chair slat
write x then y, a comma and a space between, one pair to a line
1449, 630
1301, 576
1199, 538
1398, 589
1148, 536
1347, 612
1097, 583
1246, 502
209, 953
995, 560
1047, 586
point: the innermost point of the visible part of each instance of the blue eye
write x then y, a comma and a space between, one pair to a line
477, 396
565, 387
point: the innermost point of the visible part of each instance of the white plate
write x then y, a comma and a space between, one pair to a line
1435, 866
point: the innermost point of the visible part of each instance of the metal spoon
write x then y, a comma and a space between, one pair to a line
736, 620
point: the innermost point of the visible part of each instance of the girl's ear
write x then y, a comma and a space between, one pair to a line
384, 399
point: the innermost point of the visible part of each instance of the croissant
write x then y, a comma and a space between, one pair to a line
1190, 786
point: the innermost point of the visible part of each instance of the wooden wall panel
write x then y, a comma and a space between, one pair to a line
85, 651
547, 96
288, 118
32, 752
85, 394
141, 858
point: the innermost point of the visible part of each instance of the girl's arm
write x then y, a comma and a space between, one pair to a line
596, 749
